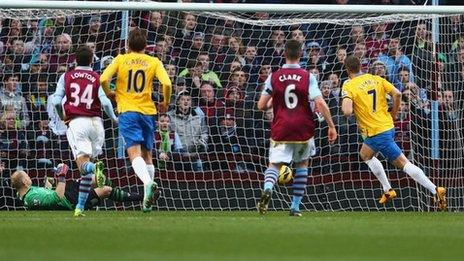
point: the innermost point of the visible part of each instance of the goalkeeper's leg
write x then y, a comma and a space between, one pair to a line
117, 194
114, 193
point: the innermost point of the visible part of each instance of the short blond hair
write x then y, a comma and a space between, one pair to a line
17, 179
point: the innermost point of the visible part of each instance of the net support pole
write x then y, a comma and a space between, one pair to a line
435, 153
124, 34
125, 25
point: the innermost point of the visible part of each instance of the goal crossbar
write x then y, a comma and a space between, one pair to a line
275, 8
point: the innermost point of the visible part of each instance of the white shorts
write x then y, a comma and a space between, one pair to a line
291, 152
86, 136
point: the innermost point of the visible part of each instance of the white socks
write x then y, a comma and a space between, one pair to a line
418, 175
140, 169
376, 167
412, 170
151, 171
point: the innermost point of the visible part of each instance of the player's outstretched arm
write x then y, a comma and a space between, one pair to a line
316, 95
107, 106
107, 75
325, 111
165, 81
58, 97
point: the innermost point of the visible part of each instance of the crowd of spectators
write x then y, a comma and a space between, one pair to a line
218, 67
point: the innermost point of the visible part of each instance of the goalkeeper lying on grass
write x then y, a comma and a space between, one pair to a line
64, 197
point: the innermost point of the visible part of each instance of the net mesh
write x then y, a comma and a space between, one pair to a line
217, 158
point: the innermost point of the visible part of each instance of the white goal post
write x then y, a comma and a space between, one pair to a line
418, 48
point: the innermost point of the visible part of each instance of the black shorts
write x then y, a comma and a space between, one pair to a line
72, 193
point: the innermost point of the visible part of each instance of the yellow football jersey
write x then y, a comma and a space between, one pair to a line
134, 82
368, 93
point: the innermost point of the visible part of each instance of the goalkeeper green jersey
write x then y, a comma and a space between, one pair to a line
45, 199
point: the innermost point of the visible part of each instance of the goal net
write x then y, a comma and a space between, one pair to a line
217, 157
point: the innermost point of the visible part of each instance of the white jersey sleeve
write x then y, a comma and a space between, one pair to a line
313, 88
59, 92
267, 86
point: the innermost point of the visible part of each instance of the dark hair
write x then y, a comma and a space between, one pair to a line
207, 83
313, 67
203, 53
137, 40
7, 76
192, 64
403, 68
183, 93
84, 56
293, 49
404, 98
352, 64
163, 115
42, 78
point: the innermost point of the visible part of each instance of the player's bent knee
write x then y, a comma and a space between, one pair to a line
134, 151
400, 161
366, 154
365, 157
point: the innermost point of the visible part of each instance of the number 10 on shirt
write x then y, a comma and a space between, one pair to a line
133, 81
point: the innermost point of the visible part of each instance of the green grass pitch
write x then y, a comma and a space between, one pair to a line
188, 235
